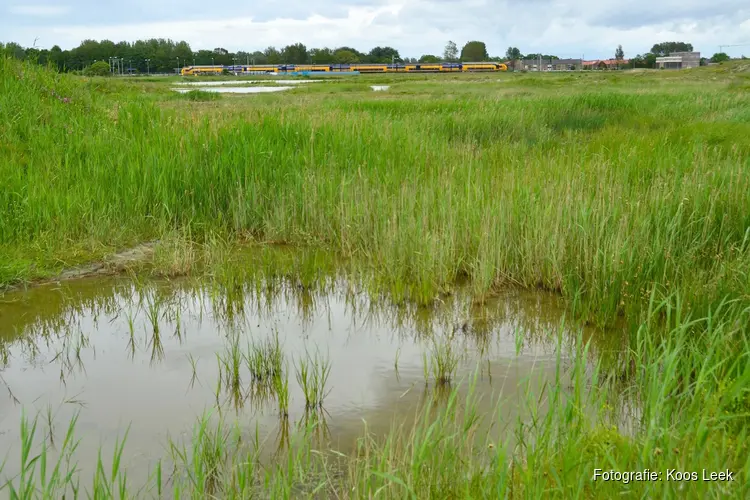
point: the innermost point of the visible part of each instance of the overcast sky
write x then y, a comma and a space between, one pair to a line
574, 28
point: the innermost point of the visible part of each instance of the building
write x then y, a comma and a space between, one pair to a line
549, 64
605, 63
679, 60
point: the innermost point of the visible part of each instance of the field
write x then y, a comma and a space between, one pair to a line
626, 194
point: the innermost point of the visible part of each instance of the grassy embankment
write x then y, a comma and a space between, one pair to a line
626, 193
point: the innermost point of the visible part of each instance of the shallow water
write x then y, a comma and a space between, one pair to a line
237, 90
241, 82
148, 357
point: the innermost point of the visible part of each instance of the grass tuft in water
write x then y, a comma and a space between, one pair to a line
312, 376
265, 360
443, 361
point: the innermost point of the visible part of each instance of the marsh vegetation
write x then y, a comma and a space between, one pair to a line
624, 196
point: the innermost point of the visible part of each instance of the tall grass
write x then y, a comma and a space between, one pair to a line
602, 195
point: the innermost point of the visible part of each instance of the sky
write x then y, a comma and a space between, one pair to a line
574, 28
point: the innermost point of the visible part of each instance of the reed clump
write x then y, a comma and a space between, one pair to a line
312, 372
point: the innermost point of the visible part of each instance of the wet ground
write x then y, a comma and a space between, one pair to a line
247, 82
150, 357
241, 86
235, 90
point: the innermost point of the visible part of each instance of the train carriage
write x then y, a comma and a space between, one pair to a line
444, 67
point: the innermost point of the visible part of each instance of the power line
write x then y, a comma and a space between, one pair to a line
721, 47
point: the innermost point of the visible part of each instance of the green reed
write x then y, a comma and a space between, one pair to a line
312, 374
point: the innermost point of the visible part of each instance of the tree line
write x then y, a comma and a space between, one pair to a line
165, 56
158, 55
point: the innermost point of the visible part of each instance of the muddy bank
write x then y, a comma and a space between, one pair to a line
114, 264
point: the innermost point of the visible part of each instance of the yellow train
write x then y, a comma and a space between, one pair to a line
347, 68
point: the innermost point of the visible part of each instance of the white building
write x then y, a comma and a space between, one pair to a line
679, 60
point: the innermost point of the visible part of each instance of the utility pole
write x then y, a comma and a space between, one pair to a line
178, 65
148, 66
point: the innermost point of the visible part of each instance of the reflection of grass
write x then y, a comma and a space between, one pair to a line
281, 387
451, 450
230, 376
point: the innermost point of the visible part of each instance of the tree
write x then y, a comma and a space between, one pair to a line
513, 55
619, 54
13, 49
666, 48
545, 57
272, 55
203, 57
719, 57
428, 58
258, 57
56, 57
32, 54
638, 61
321, 56
383, 55
344, 56
295, 54
99, 68
474, 51
451, 52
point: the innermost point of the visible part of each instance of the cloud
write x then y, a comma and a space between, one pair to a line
39, 10
568, 28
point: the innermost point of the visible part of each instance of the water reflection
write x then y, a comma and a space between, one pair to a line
244, 82
235, 90
270, 353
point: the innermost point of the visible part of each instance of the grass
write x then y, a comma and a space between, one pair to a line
312, 374
626, 193
601, 194
265, 360
442, 361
